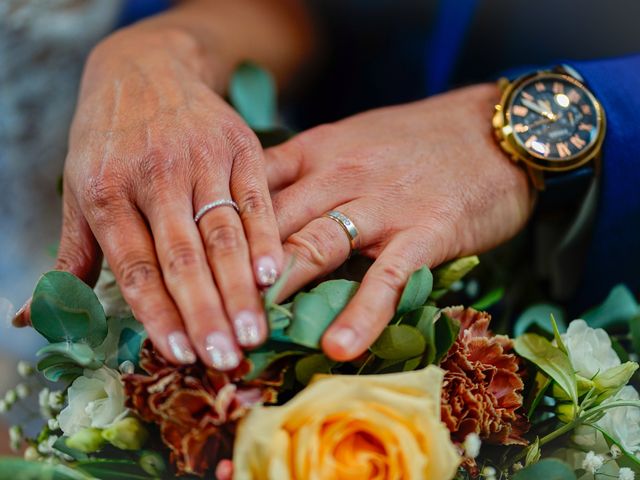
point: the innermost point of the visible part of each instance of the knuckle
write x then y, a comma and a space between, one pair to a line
222, 239
313, 246
241, 139
136, 272
254, 203
393, 276
101, 192
157, 166
182, 257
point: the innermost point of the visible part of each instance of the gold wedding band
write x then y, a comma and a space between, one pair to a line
347, 226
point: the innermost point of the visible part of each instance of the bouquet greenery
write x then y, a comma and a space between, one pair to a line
437, 396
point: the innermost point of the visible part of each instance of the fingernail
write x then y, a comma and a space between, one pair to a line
221, 351
266, 271
246, 327
344, 338
181, 348
18, 319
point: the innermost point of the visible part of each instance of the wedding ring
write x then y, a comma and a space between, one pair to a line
210, 206
347, 225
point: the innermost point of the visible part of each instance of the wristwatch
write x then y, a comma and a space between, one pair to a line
552, 124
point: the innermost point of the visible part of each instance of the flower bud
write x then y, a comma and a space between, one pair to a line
15, 437
153, 463
23, 390
11, 397
53, 424
87, 440
127, 434
4, 408
566, 412
24, 369
31, 454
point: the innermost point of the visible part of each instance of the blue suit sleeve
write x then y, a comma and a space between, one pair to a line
614, 253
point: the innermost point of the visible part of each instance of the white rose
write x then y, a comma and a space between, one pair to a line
589, 349
96, 399
623, 423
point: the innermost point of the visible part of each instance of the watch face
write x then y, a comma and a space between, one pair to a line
554, 118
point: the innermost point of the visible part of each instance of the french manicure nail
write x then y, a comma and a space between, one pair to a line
266, 271
246, 327
181, 348
345, 339
221, 351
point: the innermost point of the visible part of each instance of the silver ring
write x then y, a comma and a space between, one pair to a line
347, 225
218, 203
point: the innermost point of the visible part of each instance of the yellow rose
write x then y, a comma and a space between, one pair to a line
381, 427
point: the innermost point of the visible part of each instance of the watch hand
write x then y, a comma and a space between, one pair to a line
542, 121
536, 108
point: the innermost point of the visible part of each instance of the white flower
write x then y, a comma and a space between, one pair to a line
15, 437
22, 390
24, 369
56, 401
46, 446
53, 424
11, 397
489, 473
96, 399
4, 408
43, 398
472, 444
626, 474
623, 423
615, 451
592, 462
31, 454
589, 349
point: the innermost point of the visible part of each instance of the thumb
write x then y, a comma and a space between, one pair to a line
283, 165
78, 252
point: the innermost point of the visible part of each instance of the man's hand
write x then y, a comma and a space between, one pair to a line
423, 183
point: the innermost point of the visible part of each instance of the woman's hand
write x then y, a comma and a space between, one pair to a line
151, 143
423, 183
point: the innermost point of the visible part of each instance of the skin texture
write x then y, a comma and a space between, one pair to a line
153, 141
423, 182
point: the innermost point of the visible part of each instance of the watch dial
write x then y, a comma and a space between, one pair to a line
553, 118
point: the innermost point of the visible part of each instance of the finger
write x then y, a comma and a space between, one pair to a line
78, 252
188, 279
374, 304
283, 165
323, 245
128, 247
228, 255
249, 189
307, 199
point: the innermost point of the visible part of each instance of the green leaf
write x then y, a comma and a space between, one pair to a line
557, 337
107, 469
538, 316
124, 339
79, 353
337, 293
62, 372
547, 469
449, 273
279, 316
61, 445
262, 358
312, 314
416, 291
274, 290
19, 469
541, 385
399, 342
634, 327
446, 330
551, 360
307, 367
620, 307
423, 319
489, 299
64, 309
252, 91
627, 459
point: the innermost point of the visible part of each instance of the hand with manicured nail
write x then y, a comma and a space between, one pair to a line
423, 183
152, 143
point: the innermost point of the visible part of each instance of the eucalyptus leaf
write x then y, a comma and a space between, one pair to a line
79, 353
547, 469
274, 290
416, 291
19, 469
449, 273
620, 307
252, 91
337, 292
107, 469
446, 332
538, 316
489, 299
124, 338
634, 327
261, 360
64, 309
551, 360
62, 372
309, 366
423, 319
312, 314
279, 316
399, 342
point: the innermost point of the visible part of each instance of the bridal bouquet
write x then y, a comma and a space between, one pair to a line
437, 396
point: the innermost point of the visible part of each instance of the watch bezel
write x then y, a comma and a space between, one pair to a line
504, 126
